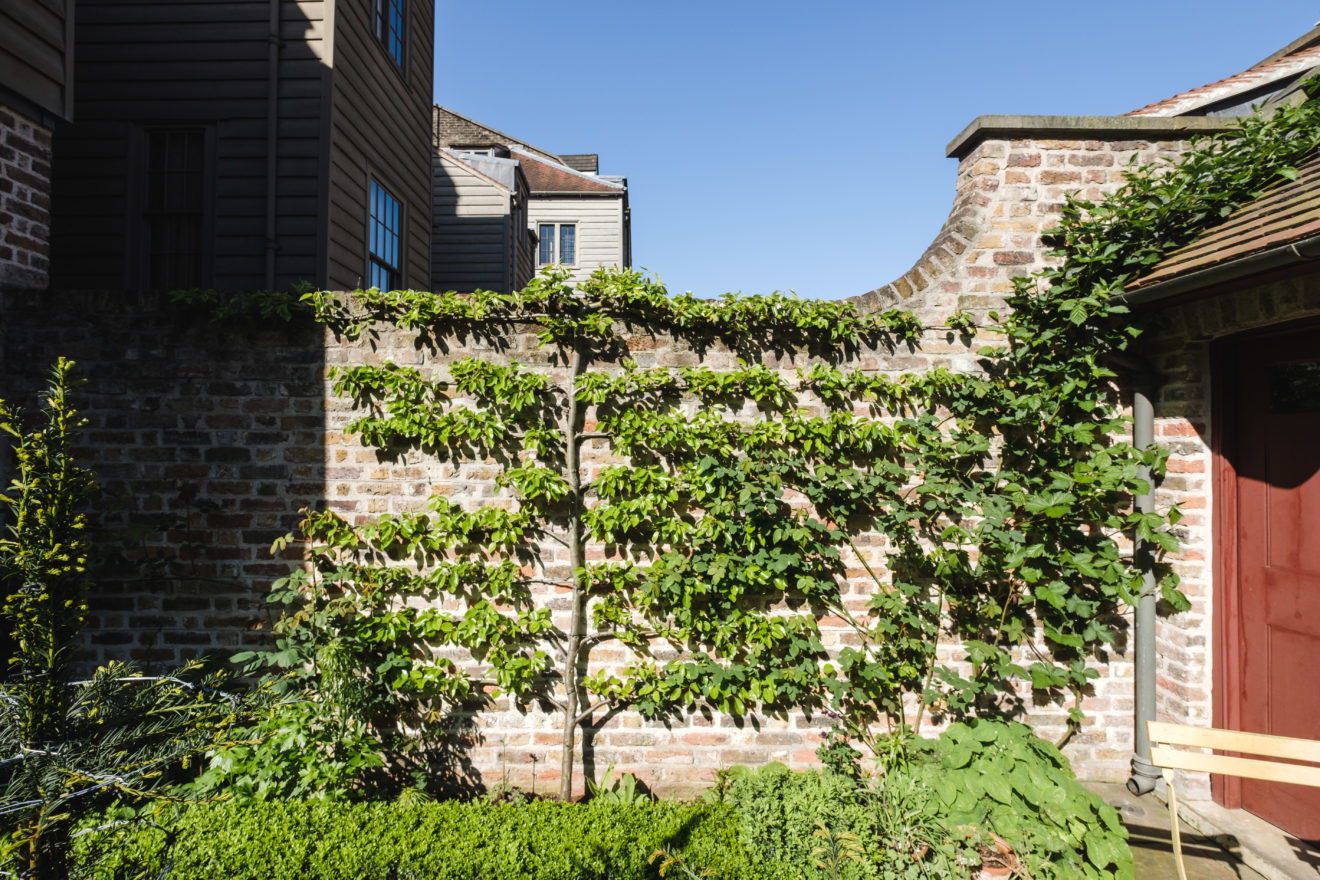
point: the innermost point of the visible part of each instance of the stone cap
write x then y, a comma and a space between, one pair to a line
1132, 128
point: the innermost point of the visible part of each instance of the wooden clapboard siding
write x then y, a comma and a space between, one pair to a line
381, 129
472, 227
600, 230
35, 57
164, 62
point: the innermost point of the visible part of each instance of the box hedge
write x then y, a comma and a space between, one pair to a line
323, 840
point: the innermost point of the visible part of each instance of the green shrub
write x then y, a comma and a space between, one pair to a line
324, 840
1003, 778
926, 815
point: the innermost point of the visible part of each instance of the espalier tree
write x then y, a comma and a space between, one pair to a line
709, 575
724, 528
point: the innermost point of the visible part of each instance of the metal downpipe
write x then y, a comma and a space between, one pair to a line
1144, 773
273, 43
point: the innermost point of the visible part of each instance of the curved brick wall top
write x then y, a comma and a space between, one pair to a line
1009, 191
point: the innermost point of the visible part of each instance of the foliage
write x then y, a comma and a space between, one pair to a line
1001, 497
323, 840
925, 815
1002, 778
626, 789
67, 746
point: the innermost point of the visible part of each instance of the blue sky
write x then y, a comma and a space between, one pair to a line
776, 146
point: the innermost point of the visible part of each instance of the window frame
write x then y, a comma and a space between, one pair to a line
380, 27
557, 243
138, 268
374, 260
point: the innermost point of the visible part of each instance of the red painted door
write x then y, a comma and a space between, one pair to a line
1277, 462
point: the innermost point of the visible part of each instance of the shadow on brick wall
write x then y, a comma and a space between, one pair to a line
206, 439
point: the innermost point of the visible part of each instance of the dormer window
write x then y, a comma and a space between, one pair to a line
390, 27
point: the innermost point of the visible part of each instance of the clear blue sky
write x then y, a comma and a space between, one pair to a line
776, 146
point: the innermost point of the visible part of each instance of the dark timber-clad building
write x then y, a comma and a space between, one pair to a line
245, 145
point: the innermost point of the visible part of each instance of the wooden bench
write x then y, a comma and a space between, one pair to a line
1168, 741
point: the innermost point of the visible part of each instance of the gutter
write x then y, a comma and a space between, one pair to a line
272, 134
1283, 256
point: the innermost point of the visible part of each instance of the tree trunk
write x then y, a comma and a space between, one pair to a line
577, 558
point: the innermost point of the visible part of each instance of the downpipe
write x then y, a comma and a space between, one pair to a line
1146, 383
273, 43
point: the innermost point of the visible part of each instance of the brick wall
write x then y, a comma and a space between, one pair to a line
210, 439
24, 201
1008, 192
206, 441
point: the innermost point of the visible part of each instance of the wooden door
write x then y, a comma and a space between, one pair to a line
1275, 423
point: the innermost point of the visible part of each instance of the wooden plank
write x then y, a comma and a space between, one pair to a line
1234, 741
1249, 768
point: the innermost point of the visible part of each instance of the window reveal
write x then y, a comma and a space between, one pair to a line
383, 235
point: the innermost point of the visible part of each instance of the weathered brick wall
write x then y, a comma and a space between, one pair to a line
1181, 351
1008, 192
206, 441
24, 201
210, 439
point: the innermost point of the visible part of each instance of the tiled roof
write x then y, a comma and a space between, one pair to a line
547, 177
1262, 74
1284, 214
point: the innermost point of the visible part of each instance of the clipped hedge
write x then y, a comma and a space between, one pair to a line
439, 841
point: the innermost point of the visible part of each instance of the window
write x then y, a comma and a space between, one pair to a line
389, 27
383, 235
174, 207
562, 234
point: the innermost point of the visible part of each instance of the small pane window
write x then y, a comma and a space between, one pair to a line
558, 243
176, 191
390, 27
383, 239
547, 233
568, 244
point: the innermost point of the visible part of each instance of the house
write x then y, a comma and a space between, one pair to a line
480, 237
1228, 386
36, 94
580, 218
1237, 350
244, 146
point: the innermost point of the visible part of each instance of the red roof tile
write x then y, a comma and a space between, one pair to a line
1261, 74
546, 177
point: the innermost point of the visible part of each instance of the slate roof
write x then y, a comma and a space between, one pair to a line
1268, 71
548, 177
1284, 214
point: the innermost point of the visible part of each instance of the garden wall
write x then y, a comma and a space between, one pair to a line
209, 438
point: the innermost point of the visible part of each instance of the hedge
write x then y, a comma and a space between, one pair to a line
322, 840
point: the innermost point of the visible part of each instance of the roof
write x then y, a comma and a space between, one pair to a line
1270, 71
550, 177
1283, 215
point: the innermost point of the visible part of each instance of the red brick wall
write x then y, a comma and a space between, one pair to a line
24, 201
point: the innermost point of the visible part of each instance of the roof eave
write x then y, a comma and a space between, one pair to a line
1085, 127
1282, 256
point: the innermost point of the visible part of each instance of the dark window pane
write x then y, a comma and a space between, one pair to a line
1295, 387
547, 232
176, 192
568, 244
